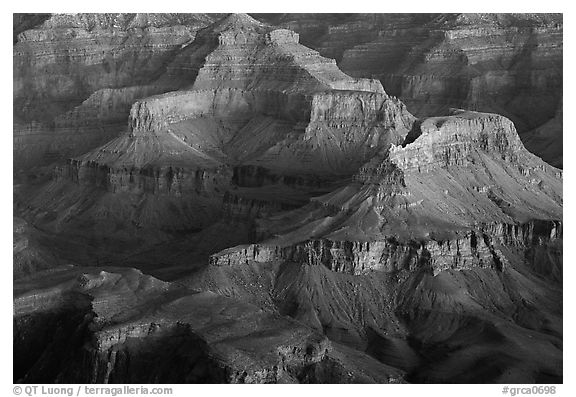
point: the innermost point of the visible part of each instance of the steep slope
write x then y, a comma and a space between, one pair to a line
262, 112
76, 76
452, 240
121, 326
456, 172
510, 64
503, 63
291, 223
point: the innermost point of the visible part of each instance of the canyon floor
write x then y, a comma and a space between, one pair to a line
202, 198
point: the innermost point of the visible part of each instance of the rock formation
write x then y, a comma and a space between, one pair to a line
509, 64
260, 216
263, 109
77, 75
119, 325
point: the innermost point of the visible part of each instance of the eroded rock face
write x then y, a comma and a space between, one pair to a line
510, 64
422, 216
450, 175
119, 335
311, 121
477, 249
266, 218
77, 75
451, 141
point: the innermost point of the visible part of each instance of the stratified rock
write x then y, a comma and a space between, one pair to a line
545, 139
291, 223
455, 173
29, 255
259, 102
453, 229
502, 63
76, 76
126, 327
510, 64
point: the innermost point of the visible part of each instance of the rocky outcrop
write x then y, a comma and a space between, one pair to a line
467, 170
291, 223
126, 327
510, 64
437, 202
78, 74
288, 113
450, 141
285, 82
507, 64
477, 249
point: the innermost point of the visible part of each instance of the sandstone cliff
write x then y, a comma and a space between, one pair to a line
260, 102
461, 200
263, 217
510, 64
76, 76
119, 325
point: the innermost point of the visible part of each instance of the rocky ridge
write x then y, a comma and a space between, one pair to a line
507, 64
461, 196
316, 124
510, 64
130, 328
76, 76
273, 201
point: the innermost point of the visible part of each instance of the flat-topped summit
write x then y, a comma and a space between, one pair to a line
260, 216
248, 100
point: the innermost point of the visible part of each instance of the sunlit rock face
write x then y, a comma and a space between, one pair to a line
254, 214
259, 101
510, 64
460, 207
66, 66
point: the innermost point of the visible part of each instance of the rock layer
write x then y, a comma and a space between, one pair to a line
510, 64
288, 223
134, 328
311, 119
77, 75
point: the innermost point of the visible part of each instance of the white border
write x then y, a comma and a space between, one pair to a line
297, 6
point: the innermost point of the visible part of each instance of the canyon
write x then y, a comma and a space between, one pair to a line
205, 198
76, 76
